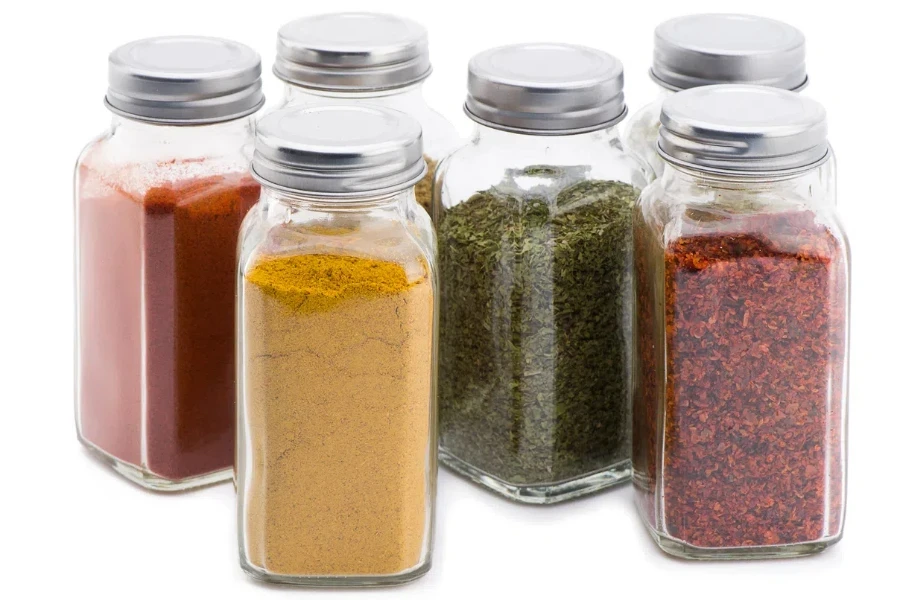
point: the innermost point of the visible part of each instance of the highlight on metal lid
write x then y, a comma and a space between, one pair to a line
354, 51
339, 151
184, 80
546, 89
709, 49
744, 130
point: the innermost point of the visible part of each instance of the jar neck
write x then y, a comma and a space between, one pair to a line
686, 174
121, 125
295, 94
276, 199
523, 141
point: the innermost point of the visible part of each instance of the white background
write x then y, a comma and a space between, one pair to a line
69, 527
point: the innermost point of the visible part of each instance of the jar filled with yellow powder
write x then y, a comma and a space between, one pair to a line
336, 452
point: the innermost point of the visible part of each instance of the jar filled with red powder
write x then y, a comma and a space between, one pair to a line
741, 330
159, 200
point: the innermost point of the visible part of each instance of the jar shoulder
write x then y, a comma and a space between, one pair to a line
439, 136
94, 147
164, 147
643, 123
133, 158
399, 234
534, 165
641, 135
791, 213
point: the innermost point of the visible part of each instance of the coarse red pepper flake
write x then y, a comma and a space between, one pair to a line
741, 344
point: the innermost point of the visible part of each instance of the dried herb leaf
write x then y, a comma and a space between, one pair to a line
535, 326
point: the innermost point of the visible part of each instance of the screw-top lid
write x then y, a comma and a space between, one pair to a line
341, 151
546, 89
352, 52
743, 129
701, 50
184, 80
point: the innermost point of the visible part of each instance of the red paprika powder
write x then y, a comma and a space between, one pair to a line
738, 416
157, 313
159, 200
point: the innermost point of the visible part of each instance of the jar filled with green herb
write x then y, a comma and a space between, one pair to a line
534, 232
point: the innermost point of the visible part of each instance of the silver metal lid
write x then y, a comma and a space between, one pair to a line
743, 129
546, 89
340, 151
184, 80
701, 50
352, 52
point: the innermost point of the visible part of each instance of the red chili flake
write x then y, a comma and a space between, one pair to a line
741, 329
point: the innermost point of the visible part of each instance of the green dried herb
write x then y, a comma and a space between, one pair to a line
536, 325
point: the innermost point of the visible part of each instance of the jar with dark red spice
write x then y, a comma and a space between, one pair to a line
741, 331
159, 201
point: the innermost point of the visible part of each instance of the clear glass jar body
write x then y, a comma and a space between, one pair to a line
741, 340
439, 137
535, 257
337, 436
158, 210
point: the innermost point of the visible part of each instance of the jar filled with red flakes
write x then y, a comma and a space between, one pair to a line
742, 281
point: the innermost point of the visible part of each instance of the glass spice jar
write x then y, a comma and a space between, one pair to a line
337, 435
741, 332
534, 230
708, 49
159, 199
370, 58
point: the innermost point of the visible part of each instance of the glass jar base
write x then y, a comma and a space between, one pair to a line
552, 493
152, 481
682, 550
335, 580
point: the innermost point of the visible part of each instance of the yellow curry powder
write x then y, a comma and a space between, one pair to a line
337, 404
315, 282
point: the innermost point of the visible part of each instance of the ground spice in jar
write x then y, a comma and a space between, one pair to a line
535, 327
425, 187
156, 337
337, 406
750, 379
